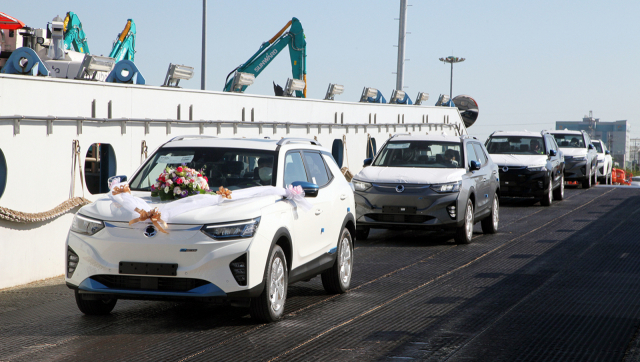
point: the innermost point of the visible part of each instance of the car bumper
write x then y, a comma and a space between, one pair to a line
416, 208
203, 264
575, 170
520, 182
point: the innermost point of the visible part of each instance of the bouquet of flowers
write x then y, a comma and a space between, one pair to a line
179, 182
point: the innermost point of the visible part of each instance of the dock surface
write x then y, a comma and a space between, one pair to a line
559, 283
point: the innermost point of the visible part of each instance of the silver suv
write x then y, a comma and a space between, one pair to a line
428, 182
580, 156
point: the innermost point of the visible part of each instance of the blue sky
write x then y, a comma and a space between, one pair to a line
529, 63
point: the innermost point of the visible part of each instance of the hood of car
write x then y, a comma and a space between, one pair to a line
519, 160
229, 210
410, 175
572, 152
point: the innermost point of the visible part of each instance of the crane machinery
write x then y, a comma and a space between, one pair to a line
125, 44
294, 38
74, 35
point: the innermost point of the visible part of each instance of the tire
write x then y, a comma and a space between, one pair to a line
490, 224
95, 307
558, 193
464, 233
337, 279
586, 183
595, 176
269, 305
547, 199
362, 234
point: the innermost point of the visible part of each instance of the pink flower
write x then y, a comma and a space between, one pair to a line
297, 190
179, 180
177, 191
179, 169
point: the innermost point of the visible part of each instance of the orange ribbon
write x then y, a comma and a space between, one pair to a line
153, 215
121, 190
225, 193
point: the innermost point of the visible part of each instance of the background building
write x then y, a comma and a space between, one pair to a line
616, 135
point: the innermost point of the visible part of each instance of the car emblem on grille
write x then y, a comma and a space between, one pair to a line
150, 231
505, 169
399, 188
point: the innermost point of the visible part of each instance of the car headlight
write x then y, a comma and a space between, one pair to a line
450, 187
537, 168
361, 186
85, 225
233, 230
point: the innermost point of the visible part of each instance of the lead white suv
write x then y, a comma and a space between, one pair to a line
605, 162
241, 251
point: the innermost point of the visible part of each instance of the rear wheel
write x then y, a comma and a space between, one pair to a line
558, 193
269, 306
362, 234
490, 223
464, 233
337, 279
547, 199
95, 306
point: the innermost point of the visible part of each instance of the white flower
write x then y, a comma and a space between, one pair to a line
177, 191
166, 190
169, 182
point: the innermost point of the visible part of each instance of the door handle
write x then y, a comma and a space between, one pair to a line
343, 196
318, 211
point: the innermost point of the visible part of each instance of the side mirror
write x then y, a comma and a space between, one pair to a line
367, 162
552, 153
607, 152
310, 189
474, 165
591, 146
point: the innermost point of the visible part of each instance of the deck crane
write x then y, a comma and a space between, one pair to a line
74, 35
125, 44
270, 49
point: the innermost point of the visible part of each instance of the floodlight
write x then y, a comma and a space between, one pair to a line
367, 93
175, 73
292, 86
240, 80
333, 90
443, 100
92, 64
422, 97
397, 95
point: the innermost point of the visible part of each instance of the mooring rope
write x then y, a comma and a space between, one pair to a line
26, 217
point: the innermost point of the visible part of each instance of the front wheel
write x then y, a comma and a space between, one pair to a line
464, 233
95, 306
337, 279
547, 199
586, 183
269, 306
490, 223
558, 193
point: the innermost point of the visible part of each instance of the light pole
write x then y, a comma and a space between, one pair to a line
451, 60
203, 76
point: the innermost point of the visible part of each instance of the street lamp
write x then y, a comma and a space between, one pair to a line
451, 60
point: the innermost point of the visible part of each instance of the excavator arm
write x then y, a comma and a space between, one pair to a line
125, 44
74, 35
294, 38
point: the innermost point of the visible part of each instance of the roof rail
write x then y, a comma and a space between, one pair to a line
401, 134
495, 132
180, 138
288, 140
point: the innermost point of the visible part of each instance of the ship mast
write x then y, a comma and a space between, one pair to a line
401, 40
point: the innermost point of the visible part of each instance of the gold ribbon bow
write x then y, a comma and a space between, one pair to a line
121, 190
153, 215
225, 193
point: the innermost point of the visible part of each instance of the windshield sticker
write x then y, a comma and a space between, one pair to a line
394, 146
499, 140
175, 159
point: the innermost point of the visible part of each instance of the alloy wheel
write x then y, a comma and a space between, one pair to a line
345, 261
495, 212
276, 285
469, 221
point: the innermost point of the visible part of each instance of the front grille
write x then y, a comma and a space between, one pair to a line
414, 219
149, 283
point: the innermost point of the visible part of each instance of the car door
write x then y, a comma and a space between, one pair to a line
485, 193
324, 203
554, 161
475, 176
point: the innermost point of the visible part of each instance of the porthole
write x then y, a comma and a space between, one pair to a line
3, 173
99, 164
337, 150
372, 149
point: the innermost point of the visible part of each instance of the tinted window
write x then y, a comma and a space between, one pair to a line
428, 154
516, 145
598, 147
480, 153
471, 154
294, 168
337, 150
316, 170
569, 140
3, 173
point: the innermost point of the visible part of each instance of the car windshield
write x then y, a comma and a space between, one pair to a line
569, 140
233, 168
598, 147
429, 154
516, 145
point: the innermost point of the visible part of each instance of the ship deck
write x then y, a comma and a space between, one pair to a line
558, 283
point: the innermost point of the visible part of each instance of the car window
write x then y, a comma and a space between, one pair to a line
480, 153
294, 168
418, 153
316, 169
569, 140
598, 147
471, 154
551, 144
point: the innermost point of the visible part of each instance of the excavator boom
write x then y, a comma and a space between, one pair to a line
125, 44
74, 35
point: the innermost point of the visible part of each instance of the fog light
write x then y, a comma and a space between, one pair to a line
239, 269
72, 262
540, 185
452, 211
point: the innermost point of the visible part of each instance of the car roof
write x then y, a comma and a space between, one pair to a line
249, 143
566, 131
440, 137
516, 133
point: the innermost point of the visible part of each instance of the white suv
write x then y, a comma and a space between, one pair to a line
244, 251
605, 163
